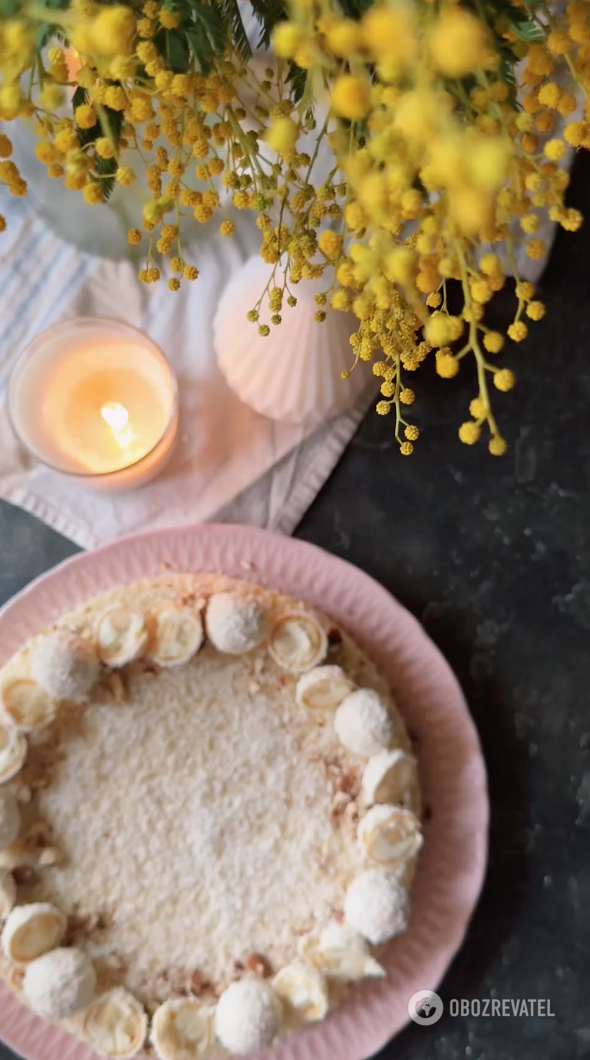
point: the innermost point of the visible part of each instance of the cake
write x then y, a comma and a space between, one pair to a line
209, 818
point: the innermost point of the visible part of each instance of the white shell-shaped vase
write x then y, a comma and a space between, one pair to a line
294, 374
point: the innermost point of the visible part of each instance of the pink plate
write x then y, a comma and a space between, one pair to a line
452, 771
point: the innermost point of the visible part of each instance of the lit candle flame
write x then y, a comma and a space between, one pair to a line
115, 415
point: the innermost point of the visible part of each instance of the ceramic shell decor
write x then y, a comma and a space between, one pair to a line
294, 374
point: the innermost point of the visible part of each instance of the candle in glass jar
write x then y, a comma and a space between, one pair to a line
96, 399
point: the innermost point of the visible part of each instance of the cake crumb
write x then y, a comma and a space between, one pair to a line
117, 688
259, 964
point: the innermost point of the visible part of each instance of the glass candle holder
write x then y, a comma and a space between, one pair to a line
95, 400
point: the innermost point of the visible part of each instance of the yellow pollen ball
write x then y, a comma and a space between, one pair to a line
497, 446
400, 265
66, 140
85, 116
355, 216
282, 136
489, 162
45, 152
113, 30
411, 203
490, 264
442, 329
330, 243
51, 97
517, 331
125, 176
567, 104
575, 133
168, 19
342, 37
493, 341
558, 42
93, 193
469, 432
470, 209
286, 39
478, 409
457, 42
525, 290
387, 34
104, 148
554, 149
115, 97
529, 223
536, 249
447, 365
351, 97
481, 291
504, 379
535, 310
549, 95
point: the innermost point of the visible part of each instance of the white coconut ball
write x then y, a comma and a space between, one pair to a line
323, 688
32, 930
247, 1016
376, 906
389, 776
65, 666
363, 723
9, 819
60, 983
337, 936
235, 626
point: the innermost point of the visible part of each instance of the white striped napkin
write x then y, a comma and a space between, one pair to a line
230, 462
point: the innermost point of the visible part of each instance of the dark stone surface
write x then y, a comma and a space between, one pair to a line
493, 556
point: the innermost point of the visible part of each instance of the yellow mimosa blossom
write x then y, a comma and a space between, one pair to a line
504, 379
113, 30
457, 42
497, 446
168, 19
342, 37
282, 136
286, 39
387, 33
382, 155
351, 97
85, 116
469, 432
93, 193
